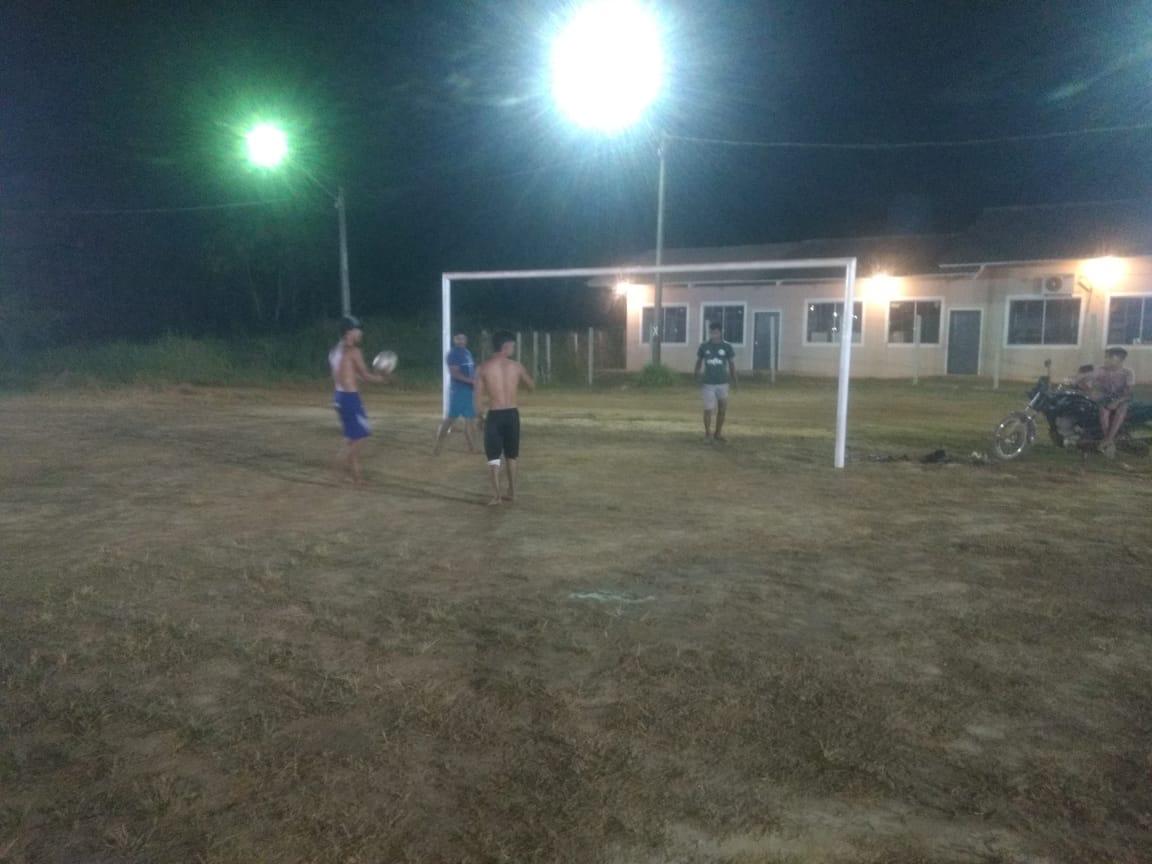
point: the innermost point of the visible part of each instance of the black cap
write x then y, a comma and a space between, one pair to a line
350, 322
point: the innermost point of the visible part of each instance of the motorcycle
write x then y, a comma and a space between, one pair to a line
1073, 423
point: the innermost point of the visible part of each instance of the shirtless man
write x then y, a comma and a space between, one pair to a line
498, 379
348, 369
1112, 386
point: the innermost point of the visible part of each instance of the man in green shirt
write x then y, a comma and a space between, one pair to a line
718, 359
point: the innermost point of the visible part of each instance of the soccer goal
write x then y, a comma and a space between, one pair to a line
847, 265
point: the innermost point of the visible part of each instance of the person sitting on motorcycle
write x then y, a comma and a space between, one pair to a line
1112, 386
1082, 380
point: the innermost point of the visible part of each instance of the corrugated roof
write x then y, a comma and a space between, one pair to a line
896, 254
1001, 234
1082, 230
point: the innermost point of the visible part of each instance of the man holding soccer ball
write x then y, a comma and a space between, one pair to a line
348, 369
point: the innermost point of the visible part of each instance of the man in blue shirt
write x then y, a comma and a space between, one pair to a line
461, 368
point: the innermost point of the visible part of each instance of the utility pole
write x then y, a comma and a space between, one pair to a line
345, 290
658, 299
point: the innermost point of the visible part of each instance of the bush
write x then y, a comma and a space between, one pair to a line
28, 358
301, 355
657, 375
169, 360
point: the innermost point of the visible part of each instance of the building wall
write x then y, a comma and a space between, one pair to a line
989, 290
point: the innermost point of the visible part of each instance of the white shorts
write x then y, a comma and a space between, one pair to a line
712, 393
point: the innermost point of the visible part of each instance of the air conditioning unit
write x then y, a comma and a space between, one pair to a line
1057, 285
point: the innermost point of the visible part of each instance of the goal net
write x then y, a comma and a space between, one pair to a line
846, 265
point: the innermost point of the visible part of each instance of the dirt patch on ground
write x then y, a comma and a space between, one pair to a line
667, 651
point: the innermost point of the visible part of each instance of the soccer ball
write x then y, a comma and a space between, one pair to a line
385, 361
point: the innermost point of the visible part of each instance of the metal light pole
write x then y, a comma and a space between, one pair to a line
607, 65
345, 289
658, 296
268, 149
338, 201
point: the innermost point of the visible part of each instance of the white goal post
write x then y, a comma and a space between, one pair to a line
847, 264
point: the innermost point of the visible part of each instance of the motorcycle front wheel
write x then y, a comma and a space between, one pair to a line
1015, 434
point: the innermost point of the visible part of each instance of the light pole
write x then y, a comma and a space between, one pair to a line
658, 290
267, 148
345, 288
607, 70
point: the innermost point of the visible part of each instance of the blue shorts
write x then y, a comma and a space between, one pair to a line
461, 403
352, 416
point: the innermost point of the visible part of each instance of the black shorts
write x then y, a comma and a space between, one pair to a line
502, 434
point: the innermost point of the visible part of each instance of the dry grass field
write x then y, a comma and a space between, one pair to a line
212, 652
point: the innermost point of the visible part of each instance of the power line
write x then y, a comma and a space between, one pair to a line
813, 145
129, 211
878, 146
912, 145
462, 177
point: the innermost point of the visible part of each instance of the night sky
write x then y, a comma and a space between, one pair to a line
436, 116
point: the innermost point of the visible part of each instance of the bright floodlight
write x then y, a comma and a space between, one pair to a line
1104, 272
607, 64
267, 146
881, 287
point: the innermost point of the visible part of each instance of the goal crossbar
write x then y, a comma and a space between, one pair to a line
848, 265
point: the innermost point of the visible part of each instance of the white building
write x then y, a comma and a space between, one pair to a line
1024, 285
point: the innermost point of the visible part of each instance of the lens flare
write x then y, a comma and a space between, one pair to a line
608, 64
1106, 272
267, 146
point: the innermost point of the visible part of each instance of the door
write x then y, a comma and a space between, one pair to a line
964, 342
766, 341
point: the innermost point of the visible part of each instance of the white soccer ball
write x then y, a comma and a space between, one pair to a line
385, 361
